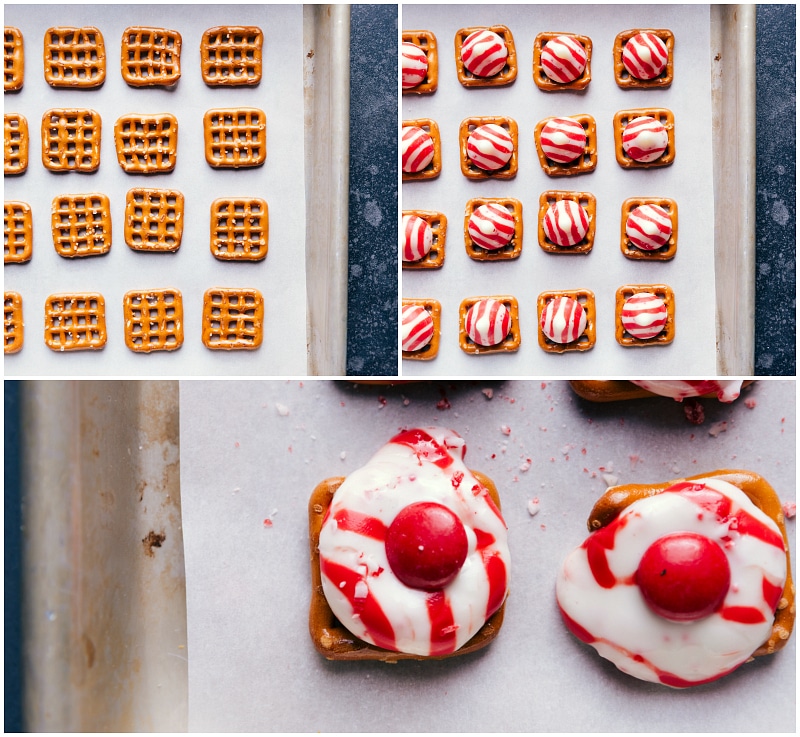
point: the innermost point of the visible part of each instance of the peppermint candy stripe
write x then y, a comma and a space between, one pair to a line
490, 147
488, 322
563, 320
417, 238
563, 59
417, 327
644, 315
417, 148
484, 53
414, 65
644, 139
491, 226
562, 140
649, 227
645, 56
566, 223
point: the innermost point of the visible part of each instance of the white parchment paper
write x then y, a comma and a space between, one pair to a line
688, 181
252, 452
280, 277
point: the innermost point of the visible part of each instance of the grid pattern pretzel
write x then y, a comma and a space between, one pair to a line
431, 350
81, 225
230, 56
505, 76
587, 201
585, 163
13, 325
154, 219
663, 292
542, 81
17, 232
513, 249
585, 340
426, 41
627, 81
71, 139
434, 168
668, 250
146, 144
15, 143
663, 116
151, 56
509, 344
471, 170
75, 322
437, 221
13, 59
74, 57
153, 320
239, 229
235, 137
233, 319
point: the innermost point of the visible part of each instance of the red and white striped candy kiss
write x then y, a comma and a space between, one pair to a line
490, 147
417, 327
644, 139
644, 315
563, 320
563, 59
645, 56
487, 322
491, 226
649, 227
566, 223
415, 65
563, 140
484, 53
417, 147
417, 238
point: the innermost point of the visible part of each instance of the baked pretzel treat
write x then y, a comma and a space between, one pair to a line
567, 221
230, 56
562, 61
644, 138
611, 391
420, 63
493, 228
566, 321
489, 147
235, 137
422, 242
489, 325
15, 143
645, 315
151, 56
153, 320
13, 324
81, 225
409, 554
13, 59
649, 228
74, 57
71, 140
420, 329
75, 322
643, 59
239, 229
17, 232
421, 148
567, 145
485, 57
147, 144
233, 319
154, 219
681, 583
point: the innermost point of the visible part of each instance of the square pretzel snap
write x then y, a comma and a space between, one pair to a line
13, 59
638, 318
239, 229
235, 137
75, 322
560, 61
17, 232
421, 148
74, 57
562, 227
13, 324
640, 57
508, 344
147, 144
151, 56
429, 82
153, 320
559, 148
649, 234
492, 71
653, 119
493, 228
411, 323
233, 319
15, 143
71, 140
81, 225
557, 311
154, 219
484, 149
230, 56
436, 222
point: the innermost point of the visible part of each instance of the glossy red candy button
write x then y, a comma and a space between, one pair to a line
684, 576
426, 545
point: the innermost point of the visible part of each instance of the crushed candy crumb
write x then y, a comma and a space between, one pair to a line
505, 429
283, 410
533, 506
717, 428
488, 393
789, 510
